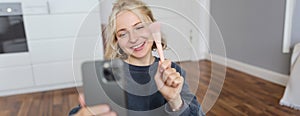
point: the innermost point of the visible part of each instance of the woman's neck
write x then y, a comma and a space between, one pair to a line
140, 61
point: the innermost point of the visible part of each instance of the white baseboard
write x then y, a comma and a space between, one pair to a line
39, 89
262, 73
202, 56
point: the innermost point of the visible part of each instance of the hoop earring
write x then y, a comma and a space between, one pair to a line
121, 53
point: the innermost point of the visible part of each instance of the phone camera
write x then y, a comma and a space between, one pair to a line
108, 74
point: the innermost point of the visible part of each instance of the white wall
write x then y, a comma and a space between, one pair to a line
185, 26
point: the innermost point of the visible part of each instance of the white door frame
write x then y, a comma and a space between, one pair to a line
289, 10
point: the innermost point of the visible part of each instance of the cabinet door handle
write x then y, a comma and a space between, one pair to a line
48, 7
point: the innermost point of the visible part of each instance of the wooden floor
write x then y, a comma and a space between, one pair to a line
242, 94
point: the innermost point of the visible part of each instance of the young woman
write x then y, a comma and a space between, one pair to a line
129, 38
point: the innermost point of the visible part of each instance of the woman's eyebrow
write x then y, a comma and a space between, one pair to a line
123, 29
136, 23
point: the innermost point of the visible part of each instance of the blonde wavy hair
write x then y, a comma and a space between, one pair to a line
112, 50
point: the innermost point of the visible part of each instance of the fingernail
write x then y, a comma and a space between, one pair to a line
161, 70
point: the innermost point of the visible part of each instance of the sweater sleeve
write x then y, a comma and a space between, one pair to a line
191, 106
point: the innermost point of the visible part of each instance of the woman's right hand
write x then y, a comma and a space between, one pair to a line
98, 110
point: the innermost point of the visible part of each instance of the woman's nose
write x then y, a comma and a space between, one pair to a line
133, 37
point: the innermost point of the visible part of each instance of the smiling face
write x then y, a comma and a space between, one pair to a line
133, 36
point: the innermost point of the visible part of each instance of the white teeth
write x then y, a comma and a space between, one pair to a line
138, 46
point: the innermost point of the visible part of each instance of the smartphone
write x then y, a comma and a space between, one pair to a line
103, 83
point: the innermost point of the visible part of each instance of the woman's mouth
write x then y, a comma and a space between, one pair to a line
138, 47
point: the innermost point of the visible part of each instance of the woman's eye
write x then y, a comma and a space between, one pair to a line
139, 27
121, 35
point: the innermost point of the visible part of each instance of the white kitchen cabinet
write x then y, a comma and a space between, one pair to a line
55, 61
54, 50
18, 77
15, 59
65, 35
46, 7
72, 6
35, 7
57, 26
53, 28
57, 50
53, 73
5, 1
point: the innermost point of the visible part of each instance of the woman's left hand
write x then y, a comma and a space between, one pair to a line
169, 82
